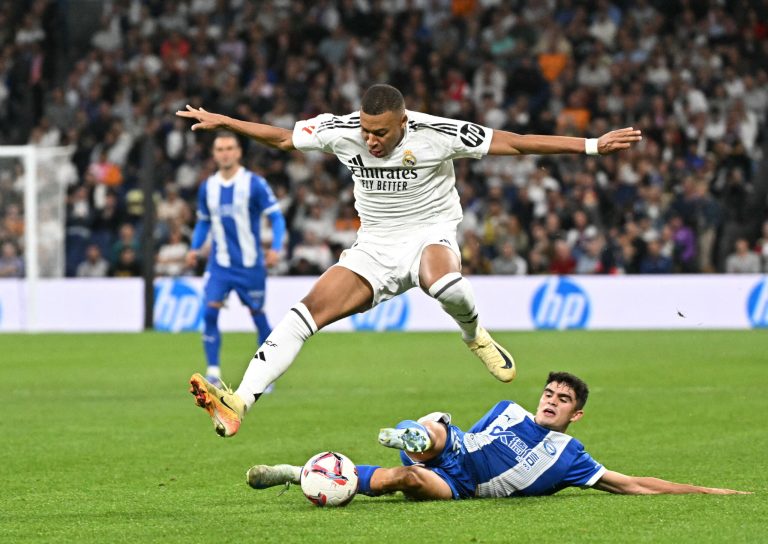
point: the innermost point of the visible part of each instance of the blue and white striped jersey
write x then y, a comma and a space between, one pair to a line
509, 454
233, 209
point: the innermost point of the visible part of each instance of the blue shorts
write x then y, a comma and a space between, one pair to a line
248, 283
449, 465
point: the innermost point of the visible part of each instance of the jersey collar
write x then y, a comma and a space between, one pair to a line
232, 180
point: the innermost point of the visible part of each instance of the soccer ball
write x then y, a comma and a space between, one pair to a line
329, 479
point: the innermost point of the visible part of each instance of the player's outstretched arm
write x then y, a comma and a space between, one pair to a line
509, 143
615, 482
279, 138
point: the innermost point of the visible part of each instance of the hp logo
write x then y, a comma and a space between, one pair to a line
390, 315
757, 305
178, 306
560, 304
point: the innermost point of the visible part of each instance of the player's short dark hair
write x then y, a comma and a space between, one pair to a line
579, 387
226, 134
381, 98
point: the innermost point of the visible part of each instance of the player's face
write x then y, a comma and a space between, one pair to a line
382, 132
226, 152
557, 407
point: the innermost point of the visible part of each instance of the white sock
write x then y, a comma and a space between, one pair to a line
455, 295
276, 353
214, 371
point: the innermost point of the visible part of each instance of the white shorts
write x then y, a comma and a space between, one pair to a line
390, 263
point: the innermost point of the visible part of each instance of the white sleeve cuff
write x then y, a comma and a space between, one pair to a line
593, 480
273, 208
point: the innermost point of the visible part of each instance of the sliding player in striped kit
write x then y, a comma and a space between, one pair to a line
230, 205
508, 453
402, 165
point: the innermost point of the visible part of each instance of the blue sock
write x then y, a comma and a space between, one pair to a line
211, 335
364, 473
262, 325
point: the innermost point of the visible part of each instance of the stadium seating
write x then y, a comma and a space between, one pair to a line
694, 80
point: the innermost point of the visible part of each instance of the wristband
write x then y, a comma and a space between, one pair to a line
590, 146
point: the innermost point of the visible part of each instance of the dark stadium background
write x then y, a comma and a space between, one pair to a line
107, 78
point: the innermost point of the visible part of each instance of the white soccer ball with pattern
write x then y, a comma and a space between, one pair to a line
329, 479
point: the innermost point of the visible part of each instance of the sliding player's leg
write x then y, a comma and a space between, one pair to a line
416, 482
264, 476
423, 440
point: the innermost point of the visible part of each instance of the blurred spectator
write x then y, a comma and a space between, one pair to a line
562, 262
508, 262
742, 260
319, 222
11, 265
554, 52
312, 252
345, 228
106, 222
654, 262
13, 222
489, 80
172, 209
684, 241
590, 260
94, 265
171, 258
472, 258
80, 215
106, 172
126, 239
127, 266
517, 235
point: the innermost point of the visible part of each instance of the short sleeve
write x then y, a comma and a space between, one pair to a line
584, 471
456, 138
265, 198
308, 137
471, 140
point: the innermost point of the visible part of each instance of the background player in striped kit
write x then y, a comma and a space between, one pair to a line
230, 205
404, 185
508, 453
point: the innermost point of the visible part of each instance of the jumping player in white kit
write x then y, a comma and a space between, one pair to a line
402, 165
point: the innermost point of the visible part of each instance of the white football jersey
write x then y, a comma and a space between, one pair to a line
415, 184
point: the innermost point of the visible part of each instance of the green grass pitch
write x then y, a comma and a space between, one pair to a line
102, 443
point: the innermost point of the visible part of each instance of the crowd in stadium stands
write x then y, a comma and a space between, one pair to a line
691, 74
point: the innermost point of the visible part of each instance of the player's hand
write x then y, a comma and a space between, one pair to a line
616, 140
271, 257
191, 259
206, 120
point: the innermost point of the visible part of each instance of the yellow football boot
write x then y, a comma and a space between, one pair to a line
222, 404
496, 359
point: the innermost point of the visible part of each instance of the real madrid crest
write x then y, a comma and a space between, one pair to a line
409, 159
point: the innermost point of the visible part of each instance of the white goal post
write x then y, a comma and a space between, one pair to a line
38, 176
